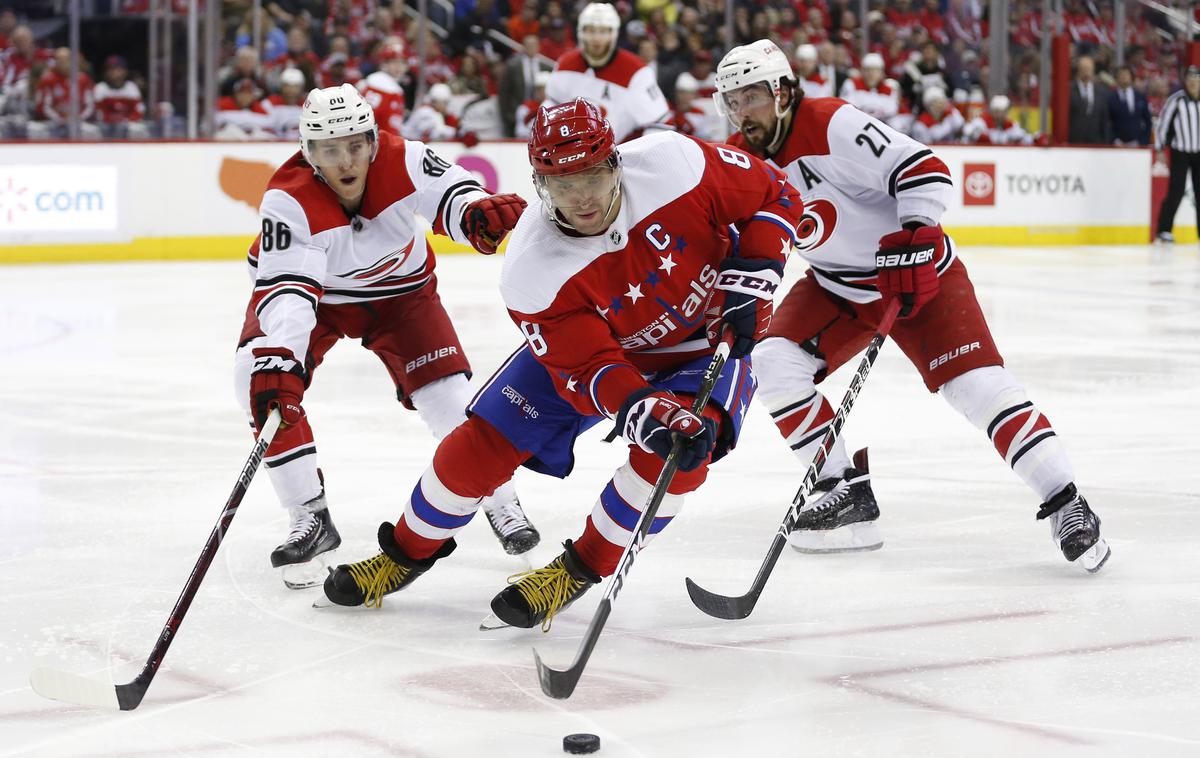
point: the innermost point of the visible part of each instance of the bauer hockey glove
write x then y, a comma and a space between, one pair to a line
487, 220
907, 267
745, 298
277, 379
648, 417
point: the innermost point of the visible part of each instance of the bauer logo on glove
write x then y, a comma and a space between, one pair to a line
900, 260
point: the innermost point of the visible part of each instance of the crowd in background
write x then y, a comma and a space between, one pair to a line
927, 71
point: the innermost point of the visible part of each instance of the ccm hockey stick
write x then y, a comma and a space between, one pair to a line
724, 607
560, 684
71, 688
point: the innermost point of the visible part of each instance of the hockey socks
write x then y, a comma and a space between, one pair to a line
993, 401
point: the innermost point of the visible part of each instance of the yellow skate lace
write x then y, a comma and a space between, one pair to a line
375, 577
546, 589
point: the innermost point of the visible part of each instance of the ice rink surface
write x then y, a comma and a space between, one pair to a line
966, 635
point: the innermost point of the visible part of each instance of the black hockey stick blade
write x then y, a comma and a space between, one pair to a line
733, 608
560, 684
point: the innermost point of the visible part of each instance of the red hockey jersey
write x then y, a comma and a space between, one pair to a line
599, 311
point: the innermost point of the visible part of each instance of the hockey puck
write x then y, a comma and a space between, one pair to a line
581, 744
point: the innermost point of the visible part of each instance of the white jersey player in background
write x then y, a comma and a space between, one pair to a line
868, 188
871, 92
342, 254
618, 81
432, 119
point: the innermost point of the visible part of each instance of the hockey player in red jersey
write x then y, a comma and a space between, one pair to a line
614, 79
341, 254
383, 89
868, 188
610, 277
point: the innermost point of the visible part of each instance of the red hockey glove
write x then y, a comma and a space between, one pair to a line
277, 379
487, 220
907, 266
745, 297
470, 139
648, 419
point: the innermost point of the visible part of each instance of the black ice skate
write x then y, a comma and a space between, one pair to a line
841, 514
511, 526
312, 533
1075, 529
366, 582
535, 597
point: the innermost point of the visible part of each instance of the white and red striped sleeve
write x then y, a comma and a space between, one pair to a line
290, 275
870, 154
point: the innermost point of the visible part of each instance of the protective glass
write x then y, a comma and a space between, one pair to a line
582, 191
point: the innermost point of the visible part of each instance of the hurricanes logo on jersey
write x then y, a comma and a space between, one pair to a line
816, 225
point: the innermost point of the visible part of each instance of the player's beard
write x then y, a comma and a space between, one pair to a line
757, 135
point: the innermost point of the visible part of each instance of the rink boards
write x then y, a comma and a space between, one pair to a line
163, 201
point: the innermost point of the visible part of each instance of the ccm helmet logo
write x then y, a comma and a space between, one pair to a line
572, 158
340, 119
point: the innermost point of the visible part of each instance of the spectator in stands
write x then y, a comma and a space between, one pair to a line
287, 12
939, 122
384, 89
19, 58
244, 66
1088, 122
870, 92
8, 24
471, 30
341, 50
240, 116
437, 66
517, 83
525, 22
432, 120
274, 39
1129, 111
52, 100
811, 81
688, 118
923, 72
283, 108
527, 111
119, 103
558, 40
299, 55
470, 79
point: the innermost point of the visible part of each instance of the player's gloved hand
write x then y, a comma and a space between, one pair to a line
470, 139
745, 296
907, 266
648, 417
277, 379
487, 220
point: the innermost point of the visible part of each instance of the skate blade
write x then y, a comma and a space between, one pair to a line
492, 623
1095, 557
302, 576
852, 538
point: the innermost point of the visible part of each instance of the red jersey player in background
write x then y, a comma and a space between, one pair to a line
867, 187
609, 276
283, 108
383, 89
614, 79
342, 254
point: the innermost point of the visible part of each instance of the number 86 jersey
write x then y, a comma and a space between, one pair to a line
860, 180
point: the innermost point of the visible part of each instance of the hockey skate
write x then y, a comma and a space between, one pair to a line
535, 597
510, 524
1076, 529
312, 535
841, 515
367, 581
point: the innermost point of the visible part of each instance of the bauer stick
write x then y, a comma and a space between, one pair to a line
72, 688
724, 607
560, 684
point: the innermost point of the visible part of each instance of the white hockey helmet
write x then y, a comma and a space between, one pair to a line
760, 61
292, 76
440, 93
685, 82
601, 16
933, 95
806, 52
336, 112
872, 60
999, 103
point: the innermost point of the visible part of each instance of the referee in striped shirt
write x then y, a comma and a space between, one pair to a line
1179, 129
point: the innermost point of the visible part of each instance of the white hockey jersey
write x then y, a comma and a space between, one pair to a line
310, 251
427, 124
881, 101
860, 179
625, 89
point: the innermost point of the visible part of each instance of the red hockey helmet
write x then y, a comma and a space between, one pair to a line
570, 137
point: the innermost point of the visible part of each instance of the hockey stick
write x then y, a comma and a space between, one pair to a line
72, 688
724, 607
560, 684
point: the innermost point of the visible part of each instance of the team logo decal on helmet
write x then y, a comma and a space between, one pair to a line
567, 139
